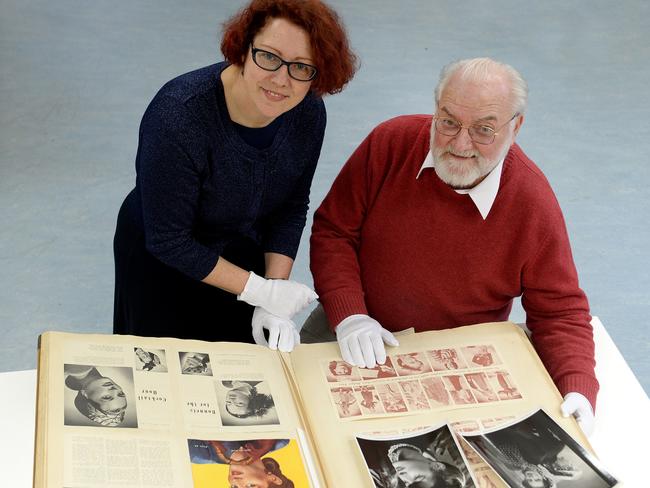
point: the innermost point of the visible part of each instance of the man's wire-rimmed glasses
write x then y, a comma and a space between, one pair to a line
272, 62
479, 133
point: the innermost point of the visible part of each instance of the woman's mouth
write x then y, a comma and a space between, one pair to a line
274, 96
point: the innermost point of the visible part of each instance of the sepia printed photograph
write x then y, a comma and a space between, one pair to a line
430, 458
446, 359
480, 356
99, 396
381, 371
338, 371
411, 363
536, 452
245, 402
370, 403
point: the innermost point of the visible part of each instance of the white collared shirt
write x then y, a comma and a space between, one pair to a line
483, 194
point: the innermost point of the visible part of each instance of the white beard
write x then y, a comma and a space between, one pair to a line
463, 174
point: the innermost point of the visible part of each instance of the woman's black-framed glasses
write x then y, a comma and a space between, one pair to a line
272, 62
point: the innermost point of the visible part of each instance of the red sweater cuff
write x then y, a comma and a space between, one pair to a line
338, 307
586, 385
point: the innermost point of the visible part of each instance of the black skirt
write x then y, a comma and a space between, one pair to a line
155, 300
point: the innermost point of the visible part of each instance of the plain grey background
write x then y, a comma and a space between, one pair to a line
76, 76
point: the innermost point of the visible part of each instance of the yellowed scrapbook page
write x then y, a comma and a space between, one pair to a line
141, 412
470, 377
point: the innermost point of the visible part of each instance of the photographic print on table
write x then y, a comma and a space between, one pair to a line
195, 363
536, 452
430, 458
99, 396
247, 463
146, 359
245, 402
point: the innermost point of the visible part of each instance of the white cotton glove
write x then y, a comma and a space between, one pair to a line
577, 405
361, 340
283, 333
283, 298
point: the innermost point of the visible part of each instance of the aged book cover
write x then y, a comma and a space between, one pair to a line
133, 411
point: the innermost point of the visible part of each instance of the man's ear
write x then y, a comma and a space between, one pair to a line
518, 123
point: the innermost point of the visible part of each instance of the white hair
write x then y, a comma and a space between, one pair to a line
480, 70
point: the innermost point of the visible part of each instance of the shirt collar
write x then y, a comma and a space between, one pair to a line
483, 194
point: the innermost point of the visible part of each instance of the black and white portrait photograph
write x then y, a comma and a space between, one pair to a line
537, 453
430, 459
99, 396
153, 360
195, 363
245, 402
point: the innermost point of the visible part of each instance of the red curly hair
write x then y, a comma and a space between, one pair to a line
333, 57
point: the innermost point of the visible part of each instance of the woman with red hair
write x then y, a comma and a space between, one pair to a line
205, 242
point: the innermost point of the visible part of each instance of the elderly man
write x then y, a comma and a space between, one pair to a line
436, 222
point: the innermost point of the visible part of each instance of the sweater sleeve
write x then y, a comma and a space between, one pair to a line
336, 234
169, 181
283, 228
557, 313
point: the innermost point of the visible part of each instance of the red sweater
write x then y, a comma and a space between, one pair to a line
414, 253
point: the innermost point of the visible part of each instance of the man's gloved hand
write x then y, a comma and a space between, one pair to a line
283, 333
577, 405
283, 298
361, 340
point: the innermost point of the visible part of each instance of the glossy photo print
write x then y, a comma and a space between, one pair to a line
536, 452
431, 458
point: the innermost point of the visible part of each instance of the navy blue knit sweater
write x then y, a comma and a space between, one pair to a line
199, 185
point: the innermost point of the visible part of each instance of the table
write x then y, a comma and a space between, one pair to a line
619, 438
